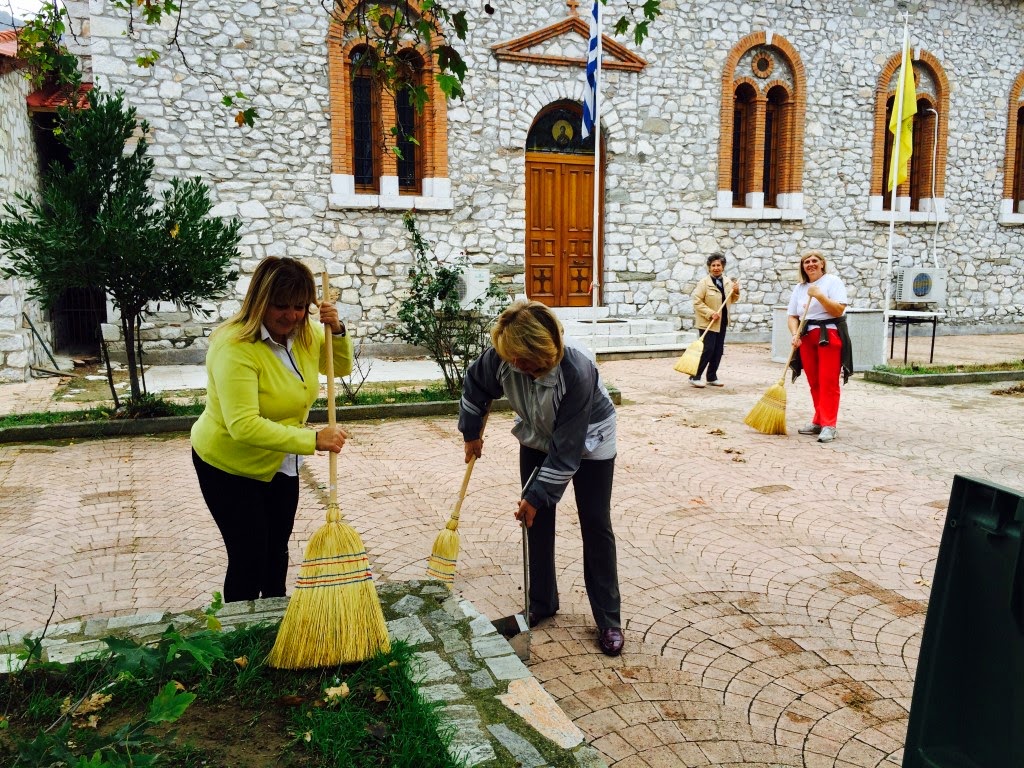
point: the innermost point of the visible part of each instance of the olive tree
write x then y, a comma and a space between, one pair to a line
96, 224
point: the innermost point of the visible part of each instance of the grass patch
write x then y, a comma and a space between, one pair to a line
915, 369
152, 406
208, 699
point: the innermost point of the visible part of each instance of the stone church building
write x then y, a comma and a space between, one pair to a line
757, 130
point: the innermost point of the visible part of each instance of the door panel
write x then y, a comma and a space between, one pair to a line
543, 239
559, 229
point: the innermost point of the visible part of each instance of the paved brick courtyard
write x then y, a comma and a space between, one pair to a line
774, 588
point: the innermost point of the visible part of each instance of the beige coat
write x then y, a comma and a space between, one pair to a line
707, 300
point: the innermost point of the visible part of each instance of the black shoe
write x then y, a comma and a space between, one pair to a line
611, 641
536, 618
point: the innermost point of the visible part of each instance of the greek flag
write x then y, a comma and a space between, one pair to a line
590, 97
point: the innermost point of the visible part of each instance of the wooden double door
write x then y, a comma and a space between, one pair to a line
560, 240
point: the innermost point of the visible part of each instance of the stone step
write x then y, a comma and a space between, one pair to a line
608, 333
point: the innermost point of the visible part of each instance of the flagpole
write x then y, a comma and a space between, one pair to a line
894, 159
595, 234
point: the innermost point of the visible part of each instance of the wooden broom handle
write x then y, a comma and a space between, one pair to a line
332, 418
465, 477
792, 349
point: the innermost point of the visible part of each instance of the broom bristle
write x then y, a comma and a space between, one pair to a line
689, 361
441, 564
334, 617
769, 415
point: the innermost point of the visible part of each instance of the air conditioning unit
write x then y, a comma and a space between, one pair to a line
919, 285
473, 285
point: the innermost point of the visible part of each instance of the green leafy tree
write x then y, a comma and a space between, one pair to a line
97, 225
433, 317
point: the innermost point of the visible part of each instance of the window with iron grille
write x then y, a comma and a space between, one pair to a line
1018, 164
366, 126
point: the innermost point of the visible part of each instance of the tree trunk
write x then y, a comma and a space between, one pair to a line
128, 329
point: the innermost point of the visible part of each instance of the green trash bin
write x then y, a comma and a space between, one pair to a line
968, 704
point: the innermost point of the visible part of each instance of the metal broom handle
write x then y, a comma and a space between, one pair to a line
332, 419
526, 554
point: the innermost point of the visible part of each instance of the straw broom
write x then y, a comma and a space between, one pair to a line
769, 415
689, 361
334, 616
441, 563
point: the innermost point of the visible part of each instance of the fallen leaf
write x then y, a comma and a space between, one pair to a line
379, 695
242, 662
923, 582
307, 736
291, 701
240, 121
337, 692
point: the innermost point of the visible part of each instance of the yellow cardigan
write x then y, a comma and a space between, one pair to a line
707, 300
256, 407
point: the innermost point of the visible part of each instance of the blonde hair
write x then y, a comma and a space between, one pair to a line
275, 281
807, 254
528, 330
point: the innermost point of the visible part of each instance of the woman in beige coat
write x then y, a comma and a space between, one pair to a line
711, 312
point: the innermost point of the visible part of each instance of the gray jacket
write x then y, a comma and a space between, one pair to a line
566, 413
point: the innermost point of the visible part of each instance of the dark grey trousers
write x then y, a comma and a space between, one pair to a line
592, 486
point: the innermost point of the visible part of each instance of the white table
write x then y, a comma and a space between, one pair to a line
908, 317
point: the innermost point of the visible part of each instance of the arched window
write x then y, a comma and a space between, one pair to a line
742, 143
922, 196
388, 149
1011, 209
760, 161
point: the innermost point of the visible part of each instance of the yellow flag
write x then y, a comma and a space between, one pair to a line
906, 94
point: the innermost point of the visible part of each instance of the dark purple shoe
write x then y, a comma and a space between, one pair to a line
611, 640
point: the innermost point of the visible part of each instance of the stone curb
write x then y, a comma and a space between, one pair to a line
498, 710
938, 379
75, 430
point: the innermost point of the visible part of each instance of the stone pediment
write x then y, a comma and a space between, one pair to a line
564, 44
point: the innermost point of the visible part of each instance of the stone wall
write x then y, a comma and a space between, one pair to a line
661, 128
18, 174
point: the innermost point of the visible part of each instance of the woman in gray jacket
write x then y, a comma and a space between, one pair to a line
566, 428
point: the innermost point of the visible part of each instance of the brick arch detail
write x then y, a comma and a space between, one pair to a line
940, 102
791, 174
1016, 94
434, 117
549, 93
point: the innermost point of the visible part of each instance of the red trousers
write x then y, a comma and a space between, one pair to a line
822, 367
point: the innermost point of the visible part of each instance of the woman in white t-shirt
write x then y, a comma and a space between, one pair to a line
824, 344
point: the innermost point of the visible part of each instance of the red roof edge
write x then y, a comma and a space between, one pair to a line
50, 97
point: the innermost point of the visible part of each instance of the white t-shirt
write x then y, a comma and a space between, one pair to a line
830, 285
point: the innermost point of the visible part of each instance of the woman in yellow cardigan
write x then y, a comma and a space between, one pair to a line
263, 369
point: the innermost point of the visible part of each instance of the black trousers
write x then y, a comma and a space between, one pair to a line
714, 348
255, 520
592, 485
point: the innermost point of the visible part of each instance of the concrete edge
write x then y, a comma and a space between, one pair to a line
76, 430
940, 379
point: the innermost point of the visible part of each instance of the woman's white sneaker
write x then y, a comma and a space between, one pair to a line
828, 434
